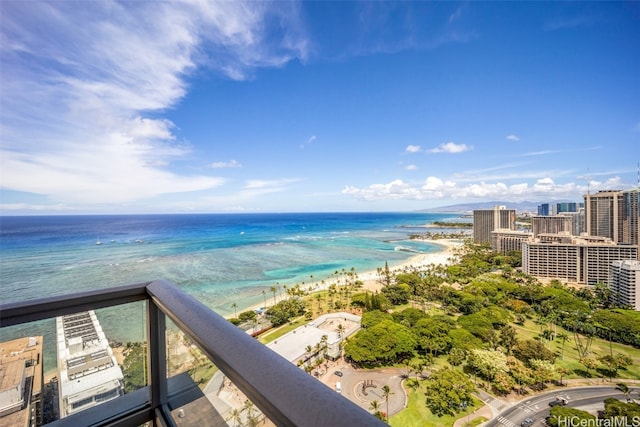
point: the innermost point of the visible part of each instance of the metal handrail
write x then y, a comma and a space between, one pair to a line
16, 313
284, 393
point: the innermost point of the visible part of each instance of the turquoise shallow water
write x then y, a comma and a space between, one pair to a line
221, 259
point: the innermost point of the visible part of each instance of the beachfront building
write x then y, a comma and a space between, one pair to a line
21, 382
487, 220
580, 260
87, 369
505, 241
624, 282
336, 327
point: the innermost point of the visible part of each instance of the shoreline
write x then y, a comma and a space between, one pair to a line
370, 278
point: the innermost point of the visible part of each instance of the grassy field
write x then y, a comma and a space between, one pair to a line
599, 347
276, 333
417, 414
202, 374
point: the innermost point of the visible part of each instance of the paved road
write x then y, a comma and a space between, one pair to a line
351, 381
537, 407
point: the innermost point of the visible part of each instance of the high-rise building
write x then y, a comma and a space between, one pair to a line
487, 220
87, 369
624, 282
572, 259
505, 241
577, 221
567, 207
604, 214
543, 209
21, 377
557, 224
630, 215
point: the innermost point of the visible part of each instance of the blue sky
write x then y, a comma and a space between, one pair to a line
196, 106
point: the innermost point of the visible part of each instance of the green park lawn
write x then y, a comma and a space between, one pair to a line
599, 347
276, 333
417, 414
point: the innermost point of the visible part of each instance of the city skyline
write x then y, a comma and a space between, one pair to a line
112, 107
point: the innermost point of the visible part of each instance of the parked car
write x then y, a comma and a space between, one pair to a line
338, 373
527, 422
559, 401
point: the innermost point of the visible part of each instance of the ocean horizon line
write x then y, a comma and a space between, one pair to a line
94, 214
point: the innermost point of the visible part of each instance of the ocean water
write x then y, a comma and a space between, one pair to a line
221, 259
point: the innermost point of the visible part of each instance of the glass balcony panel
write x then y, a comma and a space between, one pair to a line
200, 393
64, 365
177, 392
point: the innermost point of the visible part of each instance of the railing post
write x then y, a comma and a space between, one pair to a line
156, 356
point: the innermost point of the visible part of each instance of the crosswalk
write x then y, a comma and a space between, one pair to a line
505, 422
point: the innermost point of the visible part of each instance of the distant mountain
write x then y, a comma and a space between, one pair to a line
465, 208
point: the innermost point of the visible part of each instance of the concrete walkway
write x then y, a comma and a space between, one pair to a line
492, 407
485, 412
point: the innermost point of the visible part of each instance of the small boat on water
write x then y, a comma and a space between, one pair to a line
98, 242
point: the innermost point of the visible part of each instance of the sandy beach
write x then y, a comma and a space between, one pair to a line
370, 278
444, 257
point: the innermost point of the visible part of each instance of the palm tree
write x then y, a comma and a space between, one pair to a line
235, 309
264, 295
374, 406
625, 390
236, 416
386, 391
274, 289
340, 330
562, 371
563, 337
249, 407
413, 384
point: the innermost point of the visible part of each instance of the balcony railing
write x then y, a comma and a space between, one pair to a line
285, 394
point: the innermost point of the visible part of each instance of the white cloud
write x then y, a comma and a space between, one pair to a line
309, 141
545, 152
560, 23
455, 15
229, 164
451, 147
394, 190
24, 207
81, 117
512, 137
411, 167
413, 149
435, 188
277, 184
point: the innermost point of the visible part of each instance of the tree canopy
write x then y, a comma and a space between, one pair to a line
448, 391
383, 343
